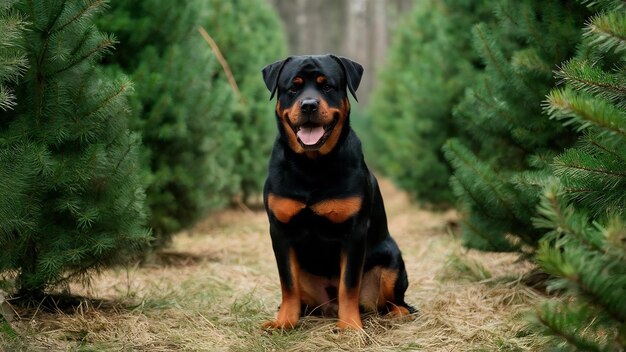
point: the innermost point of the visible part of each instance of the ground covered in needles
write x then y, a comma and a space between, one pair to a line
218, 283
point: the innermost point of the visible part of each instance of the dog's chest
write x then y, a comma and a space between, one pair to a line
336, 210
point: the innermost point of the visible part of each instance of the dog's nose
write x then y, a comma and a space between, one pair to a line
309, 105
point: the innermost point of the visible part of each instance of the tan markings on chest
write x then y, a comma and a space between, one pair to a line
284, 208
335, 210
338, 210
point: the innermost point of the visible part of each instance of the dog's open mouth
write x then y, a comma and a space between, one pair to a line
312, 136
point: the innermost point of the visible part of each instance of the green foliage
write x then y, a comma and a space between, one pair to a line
607, 31
494, 201
562, 319
12, 57
429, 65
512, 142
182, 109
585, 209
70, 198
250, 36
203, 143
588, 260
594, 172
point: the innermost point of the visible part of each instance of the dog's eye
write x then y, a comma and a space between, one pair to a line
296, 85
327, 88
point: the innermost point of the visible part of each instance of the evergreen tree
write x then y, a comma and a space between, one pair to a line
429, 65
70, 198
183, 108
203, 142
498, 178
585, 208
250, 36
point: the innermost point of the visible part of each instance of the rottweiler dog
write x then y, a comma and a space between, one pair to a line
326, 213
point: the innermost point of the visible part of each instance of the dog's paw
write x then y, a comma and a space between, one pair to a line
279, 325
399, 311
402, 313
346, 325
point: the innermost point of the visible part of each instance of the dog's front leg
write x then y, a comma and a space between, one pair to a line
352, 257
289, 272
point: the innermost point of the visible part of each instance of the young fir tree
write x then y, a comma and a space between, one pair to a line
250, 36
410, 115
205, 144
498, 179
183, 107
586, 207
70, 199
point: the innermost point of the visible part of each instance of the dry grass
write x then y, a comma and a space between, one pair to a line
219, 282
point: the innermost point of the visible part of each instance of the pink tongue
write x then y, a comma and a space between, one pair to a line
310, 135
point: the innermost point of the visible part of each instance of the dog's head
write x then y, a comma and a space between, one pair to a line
312, 105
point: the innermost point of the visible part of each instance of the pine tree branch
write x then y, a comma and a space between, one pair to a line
484, 177
90, 7
7, 98
475, 200
609, 5
501, 114
596, 300
607, 150
218, 54
584, 110
585, 82
11, 68
582, 190
105, 102
578, 267
480, 31
488, 103
557, 215
12, 26
530, 19
571, 339
128, 149
80, 43
41, 56
591, 78
103, 45
592, 170
609, 30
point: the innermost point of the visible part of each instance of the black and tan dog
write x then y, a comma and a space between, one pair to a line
327, 219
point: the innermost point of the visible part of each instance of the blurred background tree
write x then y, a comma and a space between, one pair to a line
204, 145
250, 35
429, 64
71, 201
183, 109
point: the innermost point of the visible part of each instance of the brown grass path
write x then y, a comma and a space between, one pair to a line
219, 282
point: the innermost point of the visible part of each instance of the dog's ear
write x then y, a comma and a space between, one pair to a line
271, 73
353, 72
